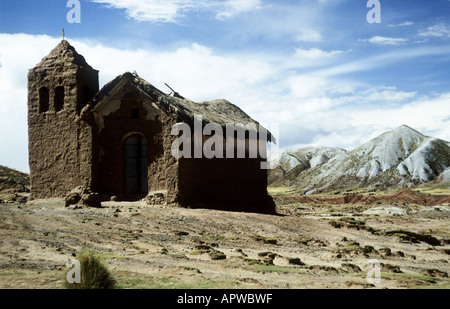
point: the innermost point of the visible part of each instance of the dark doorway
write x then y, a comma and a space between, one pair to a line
136, 181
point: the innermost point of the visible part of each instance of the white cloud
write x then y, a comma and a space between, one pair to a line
424, 114
379, 40
439, 30
303, 86
15, 59
382, 60
231, 8
384, 94
312, 107
404, 24
173, 10
315, 53
308, 35
154, 10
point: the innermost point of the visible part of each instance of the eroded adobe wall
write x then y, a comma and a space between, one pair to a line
224, 183
166, 166
232, 184
127, 113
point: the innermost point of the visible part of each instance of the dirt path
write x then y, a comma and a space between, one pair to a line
156, 247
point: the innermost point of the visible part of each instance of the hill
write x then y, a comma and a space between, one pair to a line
402, 157
11, 179
292, 162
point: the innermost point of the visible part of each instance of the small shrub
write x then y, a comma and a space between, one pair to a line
352, 268
271, 241
94, 274
385, 251
199, 252
217, 255
305, 241
253, 261
267, 253
295, 261
335, 224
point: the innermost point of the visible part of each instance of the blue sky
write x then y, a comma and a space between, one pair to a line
316, 68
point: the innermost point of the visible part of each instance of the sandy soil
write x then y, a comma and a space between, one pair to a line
164, 247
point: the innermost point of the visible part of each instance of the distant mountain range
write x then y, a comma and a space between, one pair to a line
402, 157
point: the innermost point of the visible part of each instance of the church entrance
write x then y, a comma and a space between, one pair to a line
136, 170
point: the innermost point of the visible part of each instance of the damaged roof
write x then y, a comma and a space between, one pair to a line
218, 111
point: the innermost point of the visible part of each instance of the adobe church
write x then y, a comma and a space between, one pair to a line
117, 141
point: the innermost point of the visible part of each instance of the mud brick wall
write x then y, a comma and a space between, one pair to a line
60, 153
228, 183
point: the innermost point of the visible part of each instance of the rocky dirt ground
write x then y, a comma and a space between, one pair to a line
324, 245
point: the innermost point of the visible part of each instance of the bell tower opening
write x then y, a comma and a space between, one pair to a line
59, 98
44, 100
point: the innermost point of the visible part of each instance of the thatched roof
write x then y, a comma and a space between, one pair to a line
218, 111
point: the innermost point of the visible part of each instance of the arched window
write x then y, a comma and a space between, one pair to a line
43, 100
136, 169
59, 98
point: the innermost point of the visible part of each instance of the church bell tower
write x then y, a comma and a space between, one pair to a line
59, 141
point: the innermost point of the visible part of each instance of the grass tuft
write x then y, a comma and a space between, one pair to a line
93, 273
